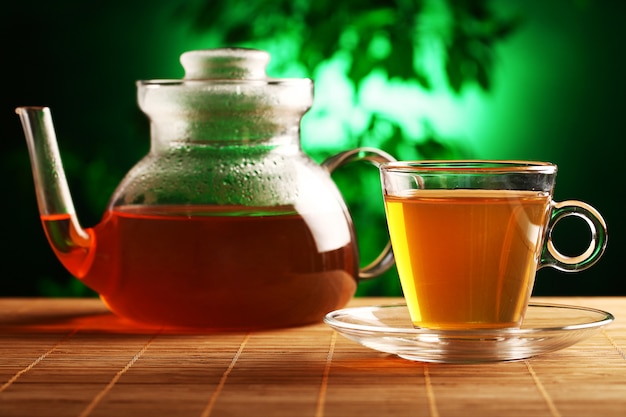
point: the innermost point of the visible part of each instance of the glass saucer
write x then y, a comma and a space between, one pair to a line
546, 328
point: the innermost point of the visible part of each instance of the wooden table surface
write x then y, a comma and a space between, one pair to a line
70, 357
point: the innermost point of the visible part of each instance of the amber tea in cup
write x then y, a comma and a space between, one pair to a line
469, 236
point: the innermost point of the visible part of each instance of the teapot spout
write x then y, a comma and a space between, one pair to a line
71, 243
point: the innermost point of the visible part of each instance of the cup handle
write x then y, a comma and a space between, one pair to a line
374, 156
553, 258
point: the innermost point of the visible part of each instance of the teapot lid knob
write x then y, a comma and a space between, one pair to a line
225, 64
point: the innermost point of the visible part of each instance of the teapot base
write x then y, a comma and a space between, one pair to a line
298, 300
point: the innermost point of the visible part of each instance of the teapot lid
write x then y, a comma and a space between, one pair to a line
225, 92
225, 64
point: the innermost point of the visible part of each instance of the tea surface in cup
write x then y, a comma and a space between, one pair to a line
467, 258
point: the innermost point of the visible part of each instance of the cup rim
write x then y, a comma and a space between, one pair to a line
471, 165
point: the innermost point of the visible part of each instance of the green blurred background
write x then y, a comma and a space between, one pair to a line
505, 79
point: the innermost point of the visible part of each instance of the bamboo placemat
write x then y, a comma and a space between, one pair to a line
62, 357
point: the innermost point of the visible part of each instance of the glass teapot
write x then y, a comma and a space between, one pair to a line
225, 224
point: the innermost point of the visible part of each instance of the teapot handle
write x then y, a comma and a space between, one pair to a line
374, 156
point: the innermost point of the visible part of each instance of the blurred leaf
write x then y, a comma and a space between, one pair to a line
476, 30
400, 61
